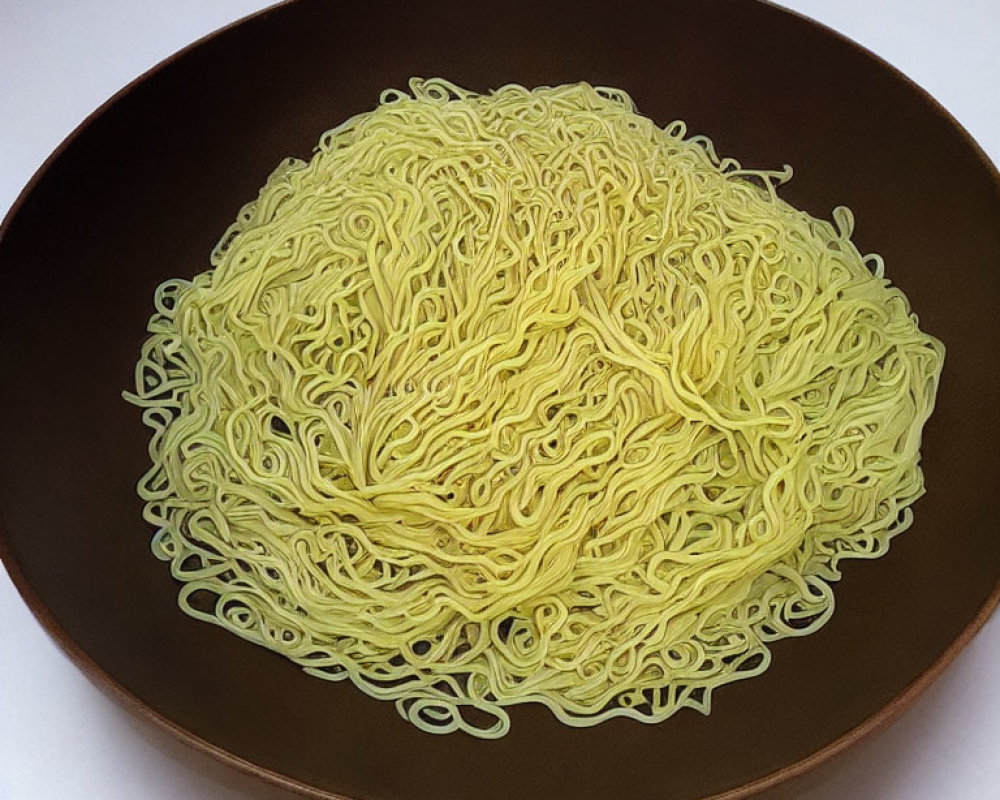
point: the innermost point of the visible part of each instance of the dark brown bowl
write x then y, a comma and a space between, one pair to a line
144, 188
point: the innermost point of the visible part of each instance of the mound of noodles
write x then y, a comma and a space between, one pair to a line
518, 397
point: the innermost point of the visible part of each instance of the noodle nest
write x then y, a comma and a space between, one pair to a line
519, 397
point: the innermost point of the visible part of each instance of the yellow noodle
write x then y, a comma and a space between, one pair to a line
518, 397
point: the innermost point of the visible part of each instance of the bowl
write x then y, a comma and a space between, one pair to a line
143, 190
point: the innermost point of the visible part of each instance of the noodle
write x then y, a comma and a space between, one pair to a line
518, 398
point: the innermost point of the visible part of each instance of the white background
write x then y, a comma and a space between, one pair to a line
60, 738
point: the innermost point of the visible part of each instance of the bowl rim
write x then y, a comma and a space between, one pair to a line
111, 688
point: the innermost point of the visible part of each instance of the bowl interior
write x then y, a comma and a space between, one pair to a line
146, 188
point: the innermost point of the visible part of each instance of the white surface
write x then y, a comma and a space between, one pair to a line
60, 738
